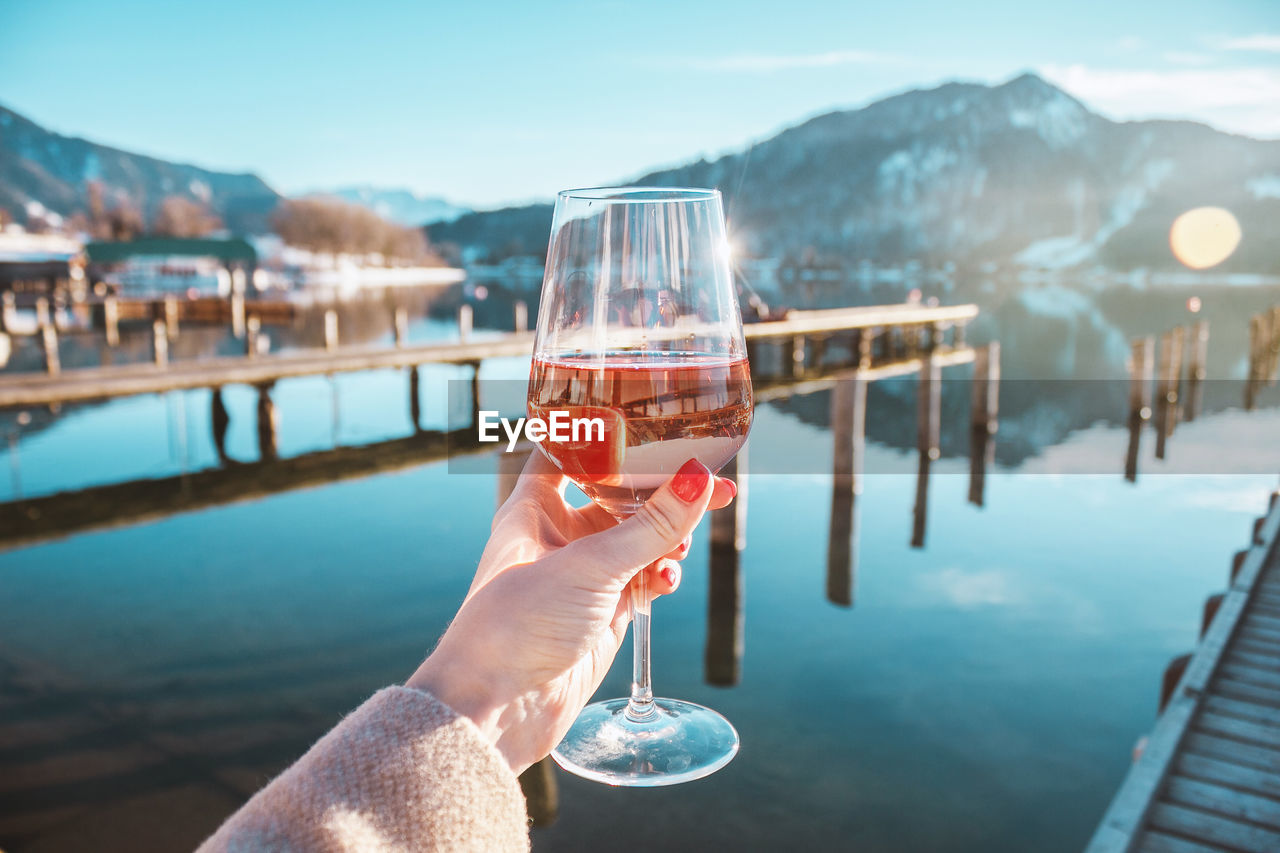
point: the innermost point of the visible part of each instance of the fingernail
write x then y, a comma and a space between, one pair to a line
684, 546
668, 575
690, 481
733, 487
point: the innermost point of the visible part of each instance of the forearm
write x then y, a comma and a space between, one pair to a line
402, 771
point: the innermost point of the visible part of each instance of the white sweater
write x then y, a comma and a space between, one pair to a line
402, 772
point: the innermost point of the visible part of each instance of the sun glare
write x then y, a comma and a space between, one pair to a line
1204, 237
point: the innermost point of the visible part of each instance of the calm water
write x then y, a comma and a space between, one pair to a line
984, 693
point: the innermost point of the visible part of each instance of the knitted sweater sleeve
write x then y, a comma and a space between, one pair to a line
401, 772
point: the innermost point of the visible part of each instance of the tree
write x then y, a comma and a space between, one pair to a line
335, 226
123, 221
180, 217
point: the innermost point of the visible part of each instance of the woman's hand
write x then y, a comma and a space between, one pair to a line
548, 608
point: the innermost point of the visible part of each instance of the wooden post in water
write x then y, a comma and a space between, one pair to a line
928, 425
984, 410
819, 352
219, 419
415, 398
465, 316
268, 424
848, 431
330, 330
1197, 356
159, 343
509, 467
252, 326
111, 320
798, 352
238, 320
1167, 391
722, 658
541, 793
522, 316
475, 393
1258, 344
1140, 375
1273, 361
49, 343
171, 308
400, 324
42, 312
8, 311
866, 341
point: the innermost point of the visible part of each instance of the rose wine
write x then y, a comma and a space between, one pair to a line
649, 413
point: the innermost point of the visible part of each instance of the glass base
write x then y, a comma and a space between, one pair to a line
678, 743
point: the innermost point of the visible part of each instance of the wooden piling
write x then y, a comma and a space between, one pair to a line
1273, 350
159, 343
722, 657
1141, 371
799, 353
509, 467
239, 325
268, 424
522, 316
866, 340
475, 392
1259, 343
541, 793
415, 398
252, 327
330, 330
465, 316
219, 420
42, 312
111, 320
984, 410
171, 308
49, 343
8, 311
848, 430
1167, 393
928, 425
400, 324
1197, 357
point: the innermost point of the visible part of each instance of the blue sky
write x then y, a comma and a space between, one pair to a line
488, 103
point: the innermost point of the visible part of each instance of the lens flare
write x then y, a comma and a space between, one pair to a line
1204, 237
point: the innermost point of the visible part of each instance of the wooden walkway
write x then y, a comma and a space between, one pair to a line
1209, 777
97, 383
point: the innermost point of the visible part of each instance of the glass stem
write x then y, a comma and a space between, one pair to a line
640, 707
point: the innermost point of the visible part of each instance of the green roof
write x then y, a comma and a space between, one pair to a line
223, 250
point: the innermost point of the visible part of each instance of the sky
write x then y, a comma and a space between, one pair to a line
488, 103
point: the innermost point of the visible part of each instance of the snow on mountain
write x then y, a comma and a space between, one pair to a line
399, 205
1019, 172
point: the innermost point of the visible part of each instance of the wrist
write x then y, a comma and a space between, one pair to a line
466, 696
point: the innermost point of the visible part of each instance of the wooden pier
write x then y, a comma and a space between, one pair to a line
1209, 776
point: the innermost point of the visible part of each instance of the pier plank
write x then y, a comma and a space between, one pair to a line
1210, 773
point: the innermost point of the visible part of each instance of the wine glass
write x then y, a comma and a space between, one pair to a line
639, 332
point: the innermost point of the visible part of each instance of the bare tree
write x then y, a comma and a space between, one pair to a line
180, 217
332, 225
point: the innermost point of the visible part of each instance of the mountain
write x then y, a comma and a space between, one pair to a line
399, 205
45, 171
1019, 172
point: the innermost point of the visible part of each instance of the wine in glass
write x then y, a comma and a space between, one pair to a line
639, 334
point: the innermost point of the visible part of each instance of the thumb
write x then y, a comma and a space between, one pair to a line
654, 531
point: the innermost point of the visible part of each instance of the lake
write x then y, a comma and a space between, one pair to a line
984, 692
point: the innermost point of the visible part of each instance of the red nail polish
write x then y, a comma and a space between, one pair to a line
733, 487
690, 481
669, 575
684, 546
